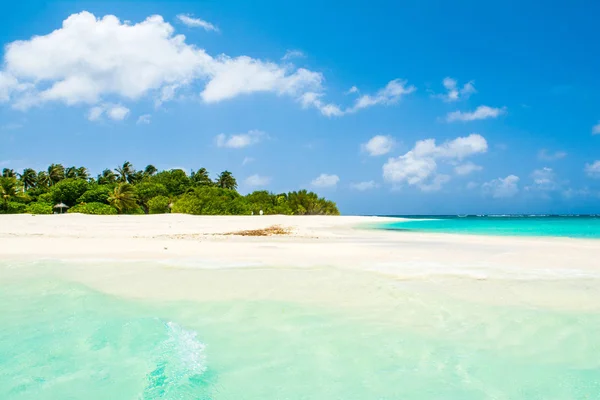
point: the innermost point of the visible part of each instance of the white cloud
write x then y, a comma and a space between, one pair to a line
95, 113
325, 180
353, 89
312, 99
454, 93
247, 160
144, 119
593, 169
379, 145
544, 155
89, 59
502, 187
418, 167
544, 179
292, 54
192, 22
363, 186
467, 168
482, 112
239, 141
257, 180
117, 113
232, 77
390, 94
596, 129
472, 185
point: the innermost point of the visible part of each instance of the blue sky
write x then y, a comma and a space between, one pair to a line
458, 107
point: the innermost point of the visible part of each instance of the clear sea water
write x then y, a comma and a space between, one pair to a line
60, 339
504, 225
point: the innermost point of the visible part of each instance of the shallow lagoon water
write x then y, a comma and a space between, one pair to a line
559, 226
60, 339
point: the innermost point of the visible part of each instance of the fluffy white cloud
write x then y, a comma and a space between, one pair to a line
239, 141
257, 180
593, 169
353, 89
325, 180
115, 112
363, 186
454, 93
232, 77
418, 167
144, 119
467, 168
379, 145
292, 54
545, 155
596, 129
481, 112
89, 59
196, 23
502, 187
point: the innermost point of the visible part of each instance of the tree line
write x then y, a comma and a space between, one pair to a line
125, 190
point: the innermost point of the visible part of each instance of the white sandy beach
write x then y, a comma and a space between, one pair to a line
327, 260
315, 241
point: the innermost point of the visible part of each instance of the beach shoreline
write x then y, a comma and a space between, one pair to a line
313, 241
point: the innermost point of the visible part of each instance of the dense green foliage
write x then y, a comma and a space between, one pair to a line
125, 190
39, 208
93, 208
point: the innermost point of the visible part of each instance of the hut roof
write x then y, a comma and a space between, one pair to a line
61, 205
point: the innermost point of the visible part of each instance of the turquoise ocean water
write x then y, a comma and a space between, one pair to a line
62, 340
504, 225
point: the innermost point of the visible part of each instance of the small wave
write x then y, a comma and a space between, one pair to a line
180, 361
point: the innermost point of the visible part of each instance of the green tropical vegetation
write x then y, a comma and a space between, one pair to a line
125, 190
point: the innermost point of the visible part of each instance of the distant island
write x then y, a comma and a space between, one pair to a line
125, 190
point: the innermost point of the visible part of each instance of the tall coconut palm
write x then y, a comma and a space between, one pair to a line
123, 197
82, 173
8, 173
28, 178
42, 180
201, 177
56, 173
9, 189
150, 170
124, 172
107, 177
70, 173
226, 181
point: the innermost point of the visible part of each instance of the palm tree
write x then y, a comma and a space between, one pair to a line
70, 173
107, 177
226, 181
8, 173
124, 172
82, 173
56, 173
201, 177
29, 178
135, 177
9, 189
42, 180
150, 170
123, 197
